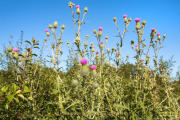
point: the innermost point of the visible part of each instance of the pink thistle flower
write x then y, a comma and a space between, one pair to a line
143, 60
89, 86
136, 45
15, 49
124, 16
137, 19
46, 30
160, 68
26, 50
144, 66
97, 52
101, 42
93, 67
77, 6
158, 34
100, 28
168, 70
117, 52
83, 61
153, 29
93, 46
151, 73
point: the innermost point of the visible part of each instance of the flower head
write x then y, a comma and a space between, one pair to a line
143, 60
100, 28
15, 49
153, 29
136, 45
93, 46
46, 30
93, 67
83, 61
77, 6
137, 19
124, 16
168, 70
97, 52
158, 34
117, 52
101, 42
89, 86
151, 73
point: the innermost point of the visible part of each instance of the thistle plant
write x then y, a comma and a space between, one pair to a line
121, 90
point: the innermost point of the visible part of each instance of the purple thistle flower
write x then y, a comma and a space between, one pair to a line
136, 45
124, 16
158, 34
93, 67
143, 60
83, 61
97, 52
46, 30
15, 49
100, 28
77, 6
153, 29
117, 52
137, 19
101, 42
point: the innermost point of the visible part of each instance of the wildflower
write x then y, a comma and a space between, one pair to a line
83, 61
97, 52
15, 49
46, 30
101, 42
159, 38
125, 18
100, 31
89, 86
117, 52
94, 73
143, 60
77, 10
84, 70
138, 26
151, 73
93, 46
136, 45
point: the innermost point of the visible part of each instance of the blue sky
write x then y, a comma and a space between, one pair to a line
34, 16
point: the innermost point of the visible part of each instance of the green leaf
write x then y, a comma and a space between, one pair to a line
21, 96
14, 88
10, 97
28, 42
34, 55
55, 91
17, 100
7, 106
4, 89
26, 89
36, 47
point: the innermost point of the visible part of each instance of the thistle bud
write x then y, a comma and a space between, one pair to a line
106, 37
164, 36
74, 82
96, 85
113, 48
127, 56
108, 85
132, 42
48, 34
9, 49
37, 60
156, 40
107, 63
61, 41
70, 4
50, 26
91, 43
63, 26
77, 39
85, 9
93, 50
16, 56
144, 22
114, 19
87, 36
129, 19
78, 76
94, 31
85, 44
55, 25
